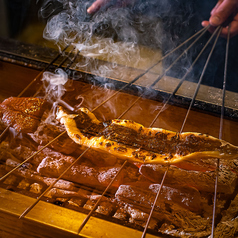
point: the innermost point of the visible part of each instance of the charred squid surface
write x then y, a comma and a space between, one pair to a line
23, 114
129, 140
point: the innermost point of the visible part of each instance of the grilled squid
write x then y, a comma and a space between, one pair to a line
132, 141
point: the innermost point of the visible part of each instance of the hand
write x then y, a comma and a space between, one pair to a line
220, 14
101, 3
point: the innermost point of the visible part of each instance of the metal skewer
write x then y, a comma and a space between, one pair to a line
164, 73
194, 96
220, 132
99, 200
34, 80
87, 218
201, 77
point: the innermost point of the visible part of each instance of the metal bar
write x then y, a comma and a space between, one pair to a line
155, 201
181, 81
165, 174
51, 186
201, 77
99, 200
26, 160
175, 61
220, 132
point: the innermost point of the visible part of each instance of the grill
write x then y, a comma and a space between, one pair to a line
189, 104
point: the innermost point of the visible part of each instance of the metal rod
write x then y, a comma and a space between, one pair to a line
220, 132
53, 60
202, 31
155, 201
26, 160
181, 81
160, 77
201, 77
36, 78
99, 200
51, 186
177, 59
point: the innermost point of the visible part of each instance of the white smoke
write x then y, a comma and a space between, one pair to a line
55, 86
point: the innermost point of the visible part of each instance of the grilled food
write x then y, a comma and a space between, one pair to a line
23, 114
129, 140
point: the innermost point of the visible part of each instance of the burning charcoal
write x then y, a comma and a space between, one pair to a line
121, 214
24, 184
105, 208
23, 114
141, 218
36, 188
47, 132
78, 202
203, 181
227, 228
186, 197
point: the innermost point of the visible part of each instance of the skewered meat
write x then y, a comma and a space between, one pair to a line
47, 132
132, 141
23, 114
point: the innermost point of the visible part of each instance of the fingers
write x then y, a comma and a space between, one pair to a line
217, 5
222, 11
224, 32
96, 6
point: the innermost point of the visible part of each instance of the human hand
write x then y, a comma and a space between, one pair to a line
223, 10
101, 3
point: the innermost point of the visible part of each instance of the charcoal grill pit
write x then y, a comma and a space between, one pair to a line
58, 220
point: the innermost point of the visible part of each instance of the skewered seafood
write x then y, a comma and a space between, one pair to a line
129, 140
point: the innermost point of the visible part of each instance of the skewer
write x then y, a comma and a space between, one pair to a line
202, 31
52, 185
175, 61
99, 200
154, 203
26, 160
161, 76
34, 80
85, 152
220, 131
181, 81
194, 96
201, 77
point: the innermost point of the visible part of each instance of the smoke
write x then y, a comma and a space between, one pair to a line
110, 35
113, 34
55, 85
